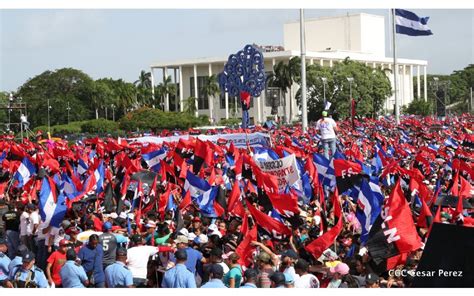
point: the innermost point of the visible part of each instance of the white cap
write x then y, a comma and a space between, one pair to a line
184, 232
191, 236
201, 239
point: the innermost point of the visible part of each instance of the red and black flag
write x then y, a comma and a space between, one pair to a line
348, 174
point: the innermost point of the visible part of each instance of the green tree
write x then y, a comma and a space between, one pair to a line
419, 107
102, 96
371, 87
60, 87
210, 90
144, 88
164, 89
190, 105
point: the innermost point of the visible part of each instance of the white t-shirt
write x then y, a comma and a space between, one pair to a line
58, 234
35, 220
307, 281
137, 260
224, 267
25, 223
326, 128
39, 231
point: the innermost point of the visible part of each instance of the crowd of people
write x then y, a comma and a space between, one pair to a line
85, 215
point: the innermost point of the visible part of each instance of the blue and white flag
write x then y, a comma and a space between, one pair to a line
195, 185
82, 167
153, 158
25, 171
264, 154
206, 201
408, 23
52, 208
99, 175
369, 206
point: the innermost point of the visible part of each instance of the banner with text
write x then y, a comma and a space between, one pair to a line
285, 169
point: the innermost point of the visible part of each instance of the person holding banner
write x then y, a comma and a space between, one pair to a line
327, 129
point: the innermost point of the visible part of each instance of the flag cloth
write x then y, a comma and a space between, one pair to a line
52, 207
369, 206
245, 248
153, 158
270, 225
408, 23
319, 245
25, 172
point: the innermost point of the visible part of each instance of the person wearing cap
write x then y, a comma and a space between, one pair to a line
12, 225
233, 278
117, 275
179, 276
137, 259
108, 241
216, 272
265, 270
305, 279
27, 275
327, 129
91, 255
4, 261
288, 259
55, 261
151, 234
278, 280
336, 273
75, 243
250, 278
20, 252
194, 258
72, 273
372, 280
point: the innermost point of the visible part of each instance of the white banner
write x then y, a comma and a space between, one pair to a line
285, 169
239, 140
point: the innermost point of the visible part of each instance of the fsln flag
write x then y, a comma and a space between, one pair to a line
408, 23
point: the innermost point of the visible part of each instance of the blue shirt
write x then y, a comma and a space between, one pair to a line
117, 275
4, 266
16, 261
214, 283
20, 274
178, 277
194, 257
92, 260
72, 275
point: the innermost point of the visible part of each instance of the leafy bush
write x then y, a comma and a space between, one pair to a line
419, 107
71, 128
155, 119
230, 121
99, 126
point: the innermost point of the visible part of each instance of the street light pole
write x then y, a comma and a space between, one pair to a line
350, 79
324, 79
68, 109
304, 116
113, 112
49, 123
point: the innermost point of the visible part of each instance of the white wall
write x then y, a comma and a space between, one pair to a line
359, 33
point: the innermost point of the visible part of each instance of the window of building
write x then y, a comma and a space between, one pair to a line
203, 103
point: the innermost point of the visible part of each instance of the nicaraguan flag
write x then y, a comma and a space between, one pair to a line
99, 175
369, 206
206, 201
195, 185
264, 154
52, 208
408, 23
24, 173
153, 158
82, 167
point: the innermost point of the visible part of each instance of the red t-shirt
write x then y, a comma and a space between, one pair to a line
57, 260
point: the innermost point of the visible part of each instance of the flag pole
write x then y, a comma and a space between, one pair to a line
304, 115
395, 69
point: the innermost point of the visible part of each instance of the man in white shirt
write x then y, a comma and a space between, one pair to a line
28, 224
305, 279
327, 129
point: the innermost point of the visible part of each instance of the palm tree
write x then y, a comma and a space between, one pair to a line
164, 89
210, 90
190, 105
144, 86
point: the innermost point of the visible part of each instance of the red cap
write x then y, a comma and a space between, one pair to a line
64, 242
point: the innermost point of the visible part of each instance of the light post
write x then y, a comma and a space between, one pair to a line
350, 79
68, 109
10, 110
325, 80
113, 112
436, 84
49, 122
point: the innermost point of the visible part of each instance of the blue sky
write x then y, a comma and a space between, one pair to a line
120, 43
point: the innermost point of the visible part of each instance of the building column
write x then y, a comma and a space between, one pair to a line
167, 96
311, 61
226, 95
152, 85
412, 92
418, 84
273, 63
321, 62
196, 90
403, 85
425, 84
330, 63
175, 96
211, 100
374, 65
181, 100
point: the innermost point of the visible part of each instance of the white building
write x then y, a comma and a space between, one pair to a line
361, 37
